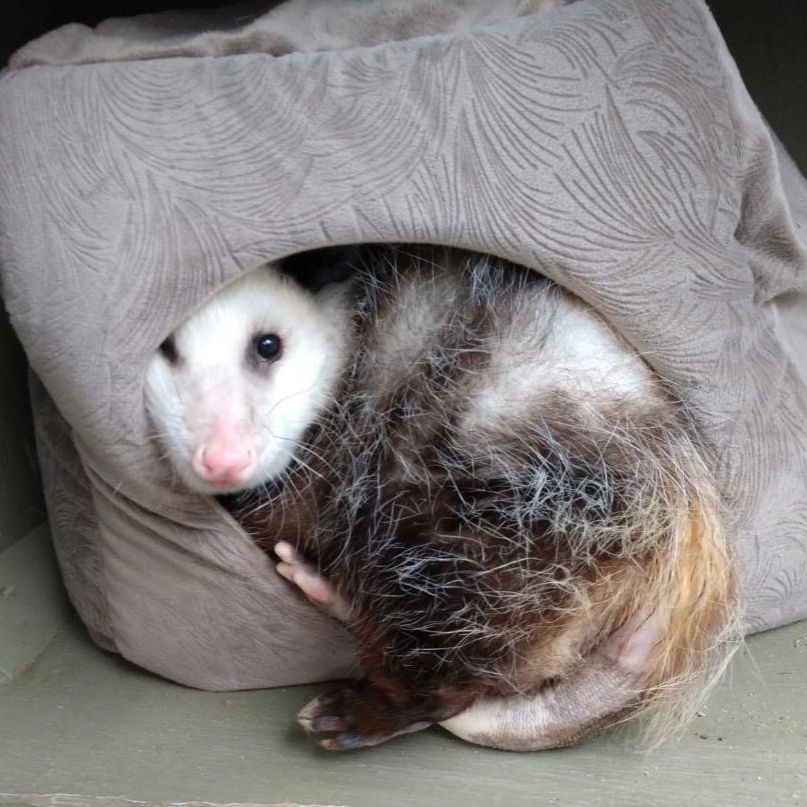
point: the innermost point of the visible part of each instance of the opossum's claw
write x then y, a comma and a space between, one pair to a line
326, 723
352, 717
316, 588
325, 713
351, 740
348, 741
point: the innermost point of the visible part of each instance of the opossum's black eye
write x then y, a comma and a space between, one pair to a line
169, 349
268, 346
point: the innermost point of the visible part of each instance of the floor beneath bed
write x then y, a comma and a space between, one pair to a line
86, 725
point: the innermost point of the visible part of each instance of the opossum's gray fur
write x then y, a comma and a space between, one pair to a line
492, 505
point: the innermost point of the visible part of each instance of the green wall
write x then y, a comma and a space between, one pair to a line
21, 506
768, 39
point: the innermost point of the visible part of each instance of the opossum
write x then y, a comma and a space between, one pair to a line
496, 487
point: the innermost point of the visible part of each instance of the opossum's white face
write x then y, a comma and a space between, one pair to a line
234, 388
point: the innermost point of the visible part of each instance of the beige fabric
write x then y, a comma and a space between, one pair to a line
299, 26
609, 144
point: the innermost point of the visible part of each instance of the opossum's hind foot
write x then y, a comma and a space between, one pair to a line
355, 717
315, 587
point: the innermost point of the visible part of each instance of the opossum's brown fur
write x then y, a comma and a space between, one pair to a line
485, 556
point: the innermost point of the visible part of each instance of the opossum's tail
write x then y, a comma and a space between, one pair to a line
673, 610
667, 621
693, 582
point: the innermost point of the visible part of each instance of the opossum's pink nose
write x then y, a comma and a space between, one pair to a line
224, 464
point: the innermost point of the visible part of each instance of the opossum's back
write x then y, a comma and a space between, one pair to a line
481, 381
516, 336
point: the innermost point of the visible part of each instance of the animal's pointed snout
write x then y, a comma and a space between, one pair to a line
223, 463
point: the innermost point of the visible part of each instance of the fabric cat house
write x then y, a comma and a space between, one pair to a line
609, 144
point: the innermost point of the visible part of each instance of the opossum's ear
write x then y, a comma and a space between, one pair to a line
319, 267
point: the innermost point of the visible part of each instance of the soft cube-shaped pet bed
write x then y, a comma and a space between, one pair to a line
608, 144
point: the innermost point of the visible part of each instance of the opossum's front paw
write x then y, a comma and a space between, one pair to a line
354, 717
315, 587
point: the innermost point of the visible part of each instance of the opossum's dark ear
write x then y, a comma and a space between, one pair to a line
319, 267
